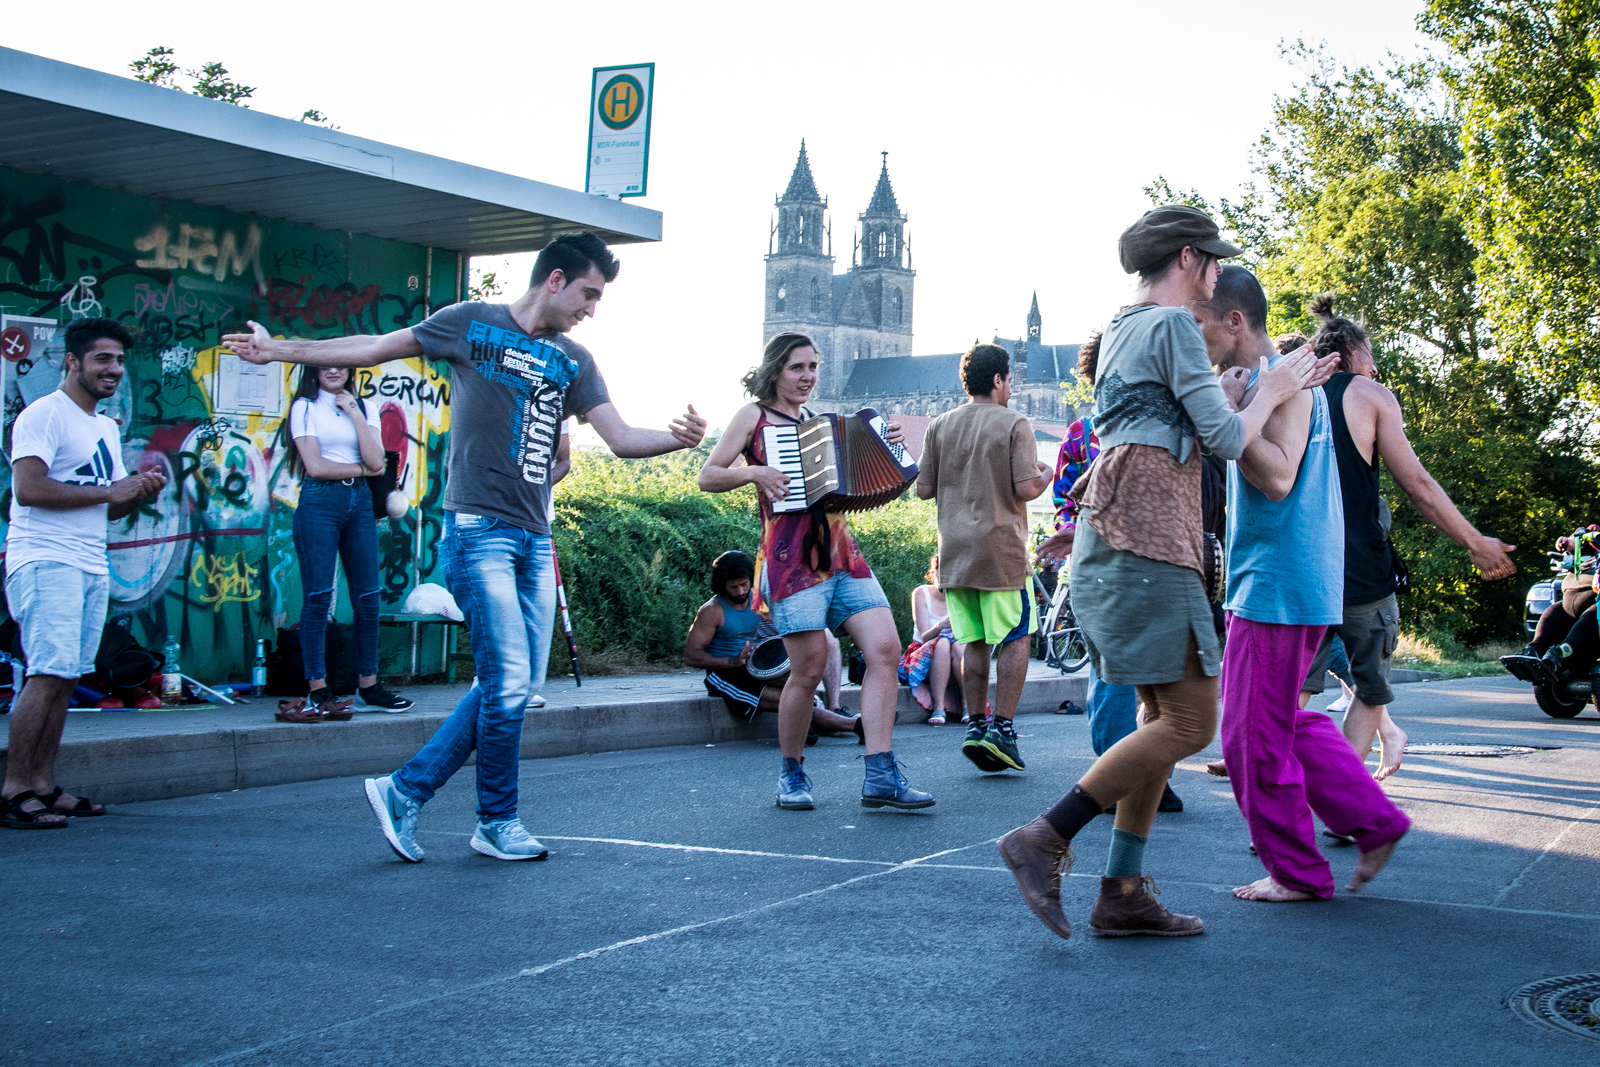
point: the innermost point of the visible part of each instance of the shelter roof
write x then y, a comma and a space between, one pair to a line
72, 122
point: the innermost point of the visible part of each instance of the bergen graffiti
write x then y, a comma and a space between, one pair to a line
212, 560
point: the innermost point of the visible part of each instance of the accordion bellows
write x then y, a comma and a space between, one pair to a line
843, 462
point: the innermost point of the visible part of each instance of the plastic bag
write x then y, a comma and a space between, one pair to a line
430, 599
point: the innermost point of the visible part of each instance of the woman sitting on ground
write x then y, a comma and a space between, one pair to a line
932, 659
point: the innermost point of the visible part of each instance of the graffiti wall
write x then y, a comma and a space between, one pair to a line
212, 560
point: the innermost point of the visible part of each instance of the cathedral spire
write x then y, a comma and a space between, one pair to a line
883, 202
801, 186
1035, 322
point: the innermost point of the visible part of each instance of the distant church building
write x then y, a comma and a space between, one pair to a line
861, 319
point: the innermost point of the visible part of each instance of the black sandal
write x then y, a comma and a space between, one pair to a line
84, 809
12, 815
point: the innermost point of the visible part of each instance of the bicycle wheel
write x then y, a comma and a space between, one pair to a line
1066, 649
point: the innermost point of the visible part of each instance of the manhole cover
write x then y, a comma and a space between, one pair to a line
1570, 1004
1477, 750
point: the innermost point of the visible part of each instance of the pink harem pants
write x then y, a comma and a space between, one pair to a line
1285, 763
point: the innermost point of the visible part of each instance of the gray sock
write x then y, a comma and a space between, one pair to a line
1127, 854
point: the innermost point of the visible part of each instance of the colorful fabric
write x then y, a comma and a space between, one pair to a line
914, 668
787, 541
993, 616
1080, 448
1284, 762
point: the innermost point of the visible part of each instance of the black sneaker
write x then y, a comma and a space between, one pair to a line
1170, 801
377, 698
811, 736
973, 749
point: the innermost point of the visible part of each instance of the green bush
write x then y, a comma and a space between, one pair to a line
636, 539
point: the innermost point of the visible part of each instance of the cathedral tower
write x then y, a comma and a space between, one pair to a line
875, 317
800, 263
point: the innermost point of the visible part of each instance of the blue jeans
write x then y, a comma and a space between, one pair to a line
504, 579
334, 520
1113, 712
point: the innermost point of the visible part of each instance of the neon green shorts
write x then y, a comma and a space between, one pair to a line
993, 616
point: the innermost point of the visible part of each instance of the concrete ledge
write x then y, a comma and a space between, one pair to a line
122, 758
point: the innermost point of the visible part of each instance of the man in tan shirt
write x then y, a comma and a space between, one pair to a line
981, 465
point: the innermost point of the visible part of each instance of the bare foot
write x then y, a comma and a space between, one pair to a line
1267, 889
1219, 769
1392, 740
1370, 864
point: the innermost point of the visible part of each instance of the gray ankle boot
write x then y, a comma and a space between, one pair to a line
886, 785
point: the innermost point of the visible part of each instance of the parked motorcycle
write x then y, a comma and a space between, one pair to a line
1558, 694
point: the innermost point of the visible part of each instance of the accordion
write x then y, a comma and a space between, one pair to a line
841, 462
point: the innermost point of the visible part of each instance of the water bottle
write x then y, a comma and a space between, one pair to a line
258, 676
172, 674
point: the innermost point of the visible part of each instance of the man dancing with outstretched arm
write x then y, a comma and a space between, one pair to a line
1285, 588
1137, 565
515, 376
980, 465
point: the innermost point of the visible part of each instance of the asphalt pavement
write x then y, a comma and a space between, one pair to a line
683, 919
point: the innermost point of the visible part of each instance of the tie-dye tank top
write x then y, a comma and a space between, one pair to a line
799, 549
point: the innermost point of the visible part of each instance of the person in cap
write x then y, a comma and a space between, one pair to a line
1137, 570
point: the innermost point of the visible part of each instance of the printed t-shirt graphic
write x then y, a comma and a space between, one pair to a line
77, 449
508, 395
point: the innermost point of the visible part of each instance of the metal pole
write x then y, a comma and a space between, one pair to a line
566, 618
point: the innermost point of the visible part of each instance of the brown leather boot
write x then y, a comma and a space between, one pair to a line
1038, 857
1127, 906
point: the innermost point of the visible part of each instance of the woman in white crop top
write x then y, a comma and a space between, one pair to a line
337, 441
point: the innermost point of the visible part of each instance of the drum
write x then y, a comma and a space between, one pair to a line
768, 660
1216, 572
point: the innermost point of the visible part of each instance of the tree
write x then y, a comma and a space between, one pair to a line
159, 66
1528, 79
1361, 192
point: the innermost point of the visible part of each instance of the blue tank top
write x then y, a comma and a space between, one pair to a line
738, 626
1286, 557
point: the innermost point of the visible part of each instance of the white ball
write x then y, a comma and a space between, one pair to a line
396, 504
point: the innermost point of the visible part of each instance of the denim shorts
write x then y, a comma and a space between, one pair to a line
61, 612
824, 606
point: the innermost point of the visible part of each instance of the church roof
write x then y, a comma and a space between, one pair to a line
883, 202
893, 375
801, 186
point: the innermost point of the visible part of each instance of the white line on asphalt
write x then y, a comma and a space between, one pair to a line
719, 851
1516, 882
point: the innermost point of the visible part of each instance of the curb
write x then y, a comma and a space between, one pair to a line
187, 762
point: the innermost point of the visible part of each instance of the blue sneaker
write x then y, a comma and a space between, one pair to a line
507, 839
886, 785
794, 787
397, 815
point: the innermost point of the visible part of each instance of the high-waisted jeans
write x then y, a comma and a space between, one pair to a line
334, 521
503, 578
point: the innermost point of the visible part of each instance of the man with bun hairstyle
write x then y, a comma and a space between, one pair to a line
1137, 564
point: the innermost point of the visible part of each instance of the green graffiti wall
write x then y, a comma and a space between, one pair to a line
212, 560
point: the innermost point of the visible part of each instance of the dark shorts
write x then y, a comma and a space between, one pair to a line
738, 690
1370, 633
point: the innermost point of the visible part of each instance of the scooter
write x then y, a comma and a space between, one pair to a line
1559, 695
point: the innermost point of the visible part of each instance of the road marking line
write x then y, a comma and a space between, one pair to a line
719, 851
1516, 883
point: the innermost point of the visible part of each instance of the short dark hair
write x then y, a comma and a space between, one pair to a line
83, 333
573, 254
731, 566
1289, 342
979, 366
1238, 290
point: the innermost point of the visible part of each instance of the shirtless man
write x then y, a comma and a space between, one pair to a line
1285, 584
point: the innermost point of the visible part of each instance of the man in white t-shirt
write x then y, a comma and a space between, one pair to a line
67, 479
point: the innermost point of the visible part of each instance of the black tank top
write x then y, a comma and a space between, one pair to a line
1368, 569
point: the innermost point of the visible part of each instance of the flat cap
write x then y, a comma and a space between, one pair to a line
1161, 231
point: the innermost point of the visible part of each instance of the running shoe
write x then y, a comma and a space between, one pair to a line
507, 839
377, 698
973, 749
397, 816
536, 701
1000, 741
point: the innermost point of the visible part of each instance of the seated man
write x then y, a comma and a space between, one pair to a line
1558, 620
724, 634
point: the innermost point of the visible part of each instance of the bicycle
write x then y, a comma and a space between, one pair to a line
1064, 645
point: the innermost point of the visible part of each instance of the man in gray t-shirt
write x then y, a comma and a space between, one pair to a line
514, 377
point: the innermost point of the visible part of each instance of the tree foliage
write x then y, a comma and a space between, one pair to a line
159, 66
1364, 188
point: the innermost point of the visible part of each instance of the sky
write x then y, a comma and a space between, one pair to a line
1020, 135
